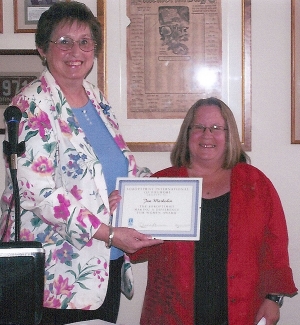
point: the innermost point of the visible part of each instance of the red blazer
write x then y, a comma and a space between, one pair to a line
258, 261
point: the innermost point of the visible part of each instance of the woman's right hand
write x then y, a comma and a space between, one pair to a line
130, 240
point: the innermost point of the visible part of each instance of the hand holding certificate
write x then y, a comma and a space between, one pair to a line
165, 208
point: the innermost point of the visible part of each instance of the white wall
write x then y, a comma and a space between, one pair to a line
271, 120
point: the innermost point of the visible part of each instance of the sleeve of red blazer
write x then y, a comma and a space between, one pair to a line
254, 199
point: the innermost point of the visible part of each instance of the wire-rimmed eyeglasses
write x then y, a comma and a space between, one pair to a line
214, 129
65, 43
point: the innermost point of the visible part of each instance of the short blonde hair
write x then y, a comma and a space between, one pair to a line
180, 155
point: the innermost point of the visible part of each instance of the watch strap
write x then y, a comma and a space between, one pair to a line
276, 298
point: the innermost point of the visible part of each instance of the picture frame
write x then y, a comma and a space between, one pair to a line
295, 72
1, 17
14, 74
101, 60
245, 93
27, 14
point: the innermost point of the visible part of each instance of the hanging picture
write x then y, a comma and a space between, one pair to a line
28, 12
17, 69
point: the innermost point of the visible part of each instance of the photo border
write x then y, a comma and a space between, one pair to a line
246, 54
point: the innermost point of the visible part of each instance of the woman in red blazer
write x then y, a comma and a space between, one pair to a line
239, 271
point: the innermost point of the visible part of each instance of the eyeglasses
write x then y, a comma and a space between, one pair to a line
65, 43
214, 129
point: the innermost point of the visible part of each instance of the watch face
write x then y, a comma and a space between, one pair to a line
280, 301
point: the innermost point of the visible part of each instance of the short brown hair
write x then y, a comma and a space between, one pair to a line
66, 12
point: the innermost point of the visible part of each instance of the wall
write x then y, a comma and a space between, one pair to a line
271, 119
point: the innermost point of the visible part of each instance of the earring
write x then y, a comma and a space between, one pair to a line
44, 60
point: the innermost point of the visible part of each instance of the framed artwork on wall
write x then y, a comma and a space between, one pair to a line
140, 47
295, 72
101, 67
28, 12
1, 17
17, 69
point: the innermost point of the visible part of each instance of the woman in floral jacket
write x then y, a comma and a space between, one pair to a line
74, 152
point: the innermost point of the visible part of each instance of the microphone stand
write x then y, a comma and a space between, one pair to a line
13, 172
16, 198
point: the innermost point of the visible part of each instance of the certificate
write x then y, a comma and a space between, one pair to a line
165, 208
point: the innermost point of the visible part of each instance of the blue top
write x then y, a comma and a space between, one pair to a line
113, 162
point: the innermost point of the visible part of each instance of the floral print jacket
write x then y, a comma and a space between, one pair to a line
63, 195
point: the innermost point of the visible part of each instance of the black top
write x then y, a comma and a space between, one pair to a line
211, 263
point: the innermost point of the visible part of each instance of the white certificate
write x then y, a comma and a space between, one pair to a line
166, 208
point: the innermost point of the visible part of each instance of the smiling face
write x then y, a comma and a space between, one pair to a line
208, 148
71, 66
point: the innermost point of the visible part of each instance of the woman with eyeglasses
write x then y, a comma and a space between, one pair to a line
74, 153
238, 272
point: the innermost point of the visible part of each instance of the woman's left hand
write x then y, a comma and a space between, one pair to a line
270, 311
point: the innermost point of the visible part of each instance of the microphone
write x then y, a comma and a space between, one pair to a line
12, 148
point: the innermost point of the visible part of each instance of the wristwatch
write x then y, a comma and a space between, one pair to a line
276, 298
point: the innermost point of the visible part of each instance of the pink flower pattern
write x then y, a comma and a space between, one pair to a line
26, 235
40, 122
120, 141
50, 301
64, 127
76, 192
61, 211
43, 166
85, 214
62, 286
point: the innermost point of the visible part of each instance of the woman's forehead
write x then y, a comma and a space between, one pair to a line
208, 111
74, 27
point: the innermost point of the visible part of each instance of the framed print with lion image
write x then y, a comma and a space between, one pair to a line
178, 52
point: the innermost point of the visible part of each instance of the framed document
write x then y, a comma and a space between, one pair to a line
295, 67
1, 17
165, 208
145, 62
28, 12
